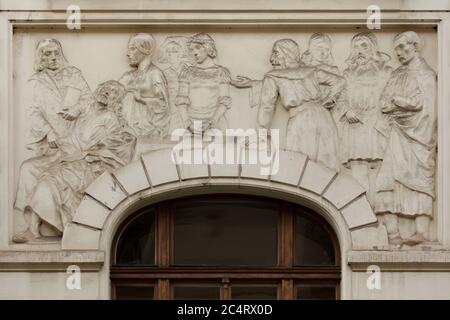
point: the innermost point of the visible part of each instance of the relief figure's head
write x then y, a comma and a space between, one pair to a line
407, 46
364, 52
174, 51
364, 48
319, 51
109, 95
49, 55
140, 46
202, 47
285, 54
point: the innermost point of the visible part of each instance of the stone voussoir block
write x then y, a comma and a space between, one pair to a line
78, 237
224, 170
106, 190
255, 171
193, 171
91, 213
160, 166
316, 177
290, 168
343, 189
132, 177
358, 213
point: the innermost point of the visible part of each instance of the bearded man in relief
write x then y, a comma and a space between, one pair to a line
58, 94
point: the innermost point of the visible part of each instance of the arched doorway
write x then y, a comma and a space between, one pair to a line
225, 246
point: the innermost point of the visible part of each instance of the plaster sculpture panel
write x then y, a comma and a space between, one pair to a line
58, 94
375, 123
310, 128
405, 182
99, 140
174, 55
146, 104
361, 124
204, 88
319, 53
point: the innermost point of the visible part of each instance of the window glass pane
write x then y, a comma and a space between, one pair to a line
135, 291
196, 291
316, 292
313, 244
254, 292
228, 231
136, 245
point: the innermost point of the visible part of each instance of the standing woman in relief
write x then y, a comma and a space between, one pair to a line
146, 104
310, 128
307, 93
319, 53
174, 53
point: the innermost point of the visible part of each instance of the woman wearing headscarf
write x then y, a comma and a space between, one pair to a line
174, 54
310, 128
146, 104
319, 53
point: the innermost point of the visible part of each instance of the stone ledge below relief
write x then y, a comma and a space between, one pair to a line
436, 260
50, 260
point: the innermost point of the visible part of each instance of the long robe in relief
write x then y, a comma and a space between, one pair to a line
362, 140
311, 129
151, 115
50, 92
100, 142
406, 177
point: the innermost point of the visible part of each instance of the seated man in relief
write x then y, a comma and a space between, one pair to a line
100, 141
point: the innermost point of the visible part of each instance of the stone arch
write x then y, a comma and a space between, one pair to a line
112, 196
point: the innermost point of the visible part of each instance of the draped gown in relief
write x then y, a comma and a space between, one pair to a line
100, 141
310, 129
50, 92
149, 114
405, 182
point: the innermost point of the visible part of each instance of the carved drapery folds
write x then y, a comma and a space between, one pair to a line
367, 119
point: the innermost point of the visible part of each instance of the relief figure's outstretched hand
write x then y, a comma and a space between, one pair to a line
242, 82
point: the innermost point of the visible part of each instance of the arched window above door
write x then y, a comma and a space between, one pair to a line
225, 247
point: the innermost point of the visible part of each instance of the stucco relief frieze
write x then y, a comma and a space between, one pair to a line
374, 122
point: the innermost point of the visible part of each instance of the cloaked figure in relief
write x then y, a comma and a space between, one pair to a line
100, 140
204, 89
58, 95
361, 125
174, 54
146, 104
405, 182
310, 128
